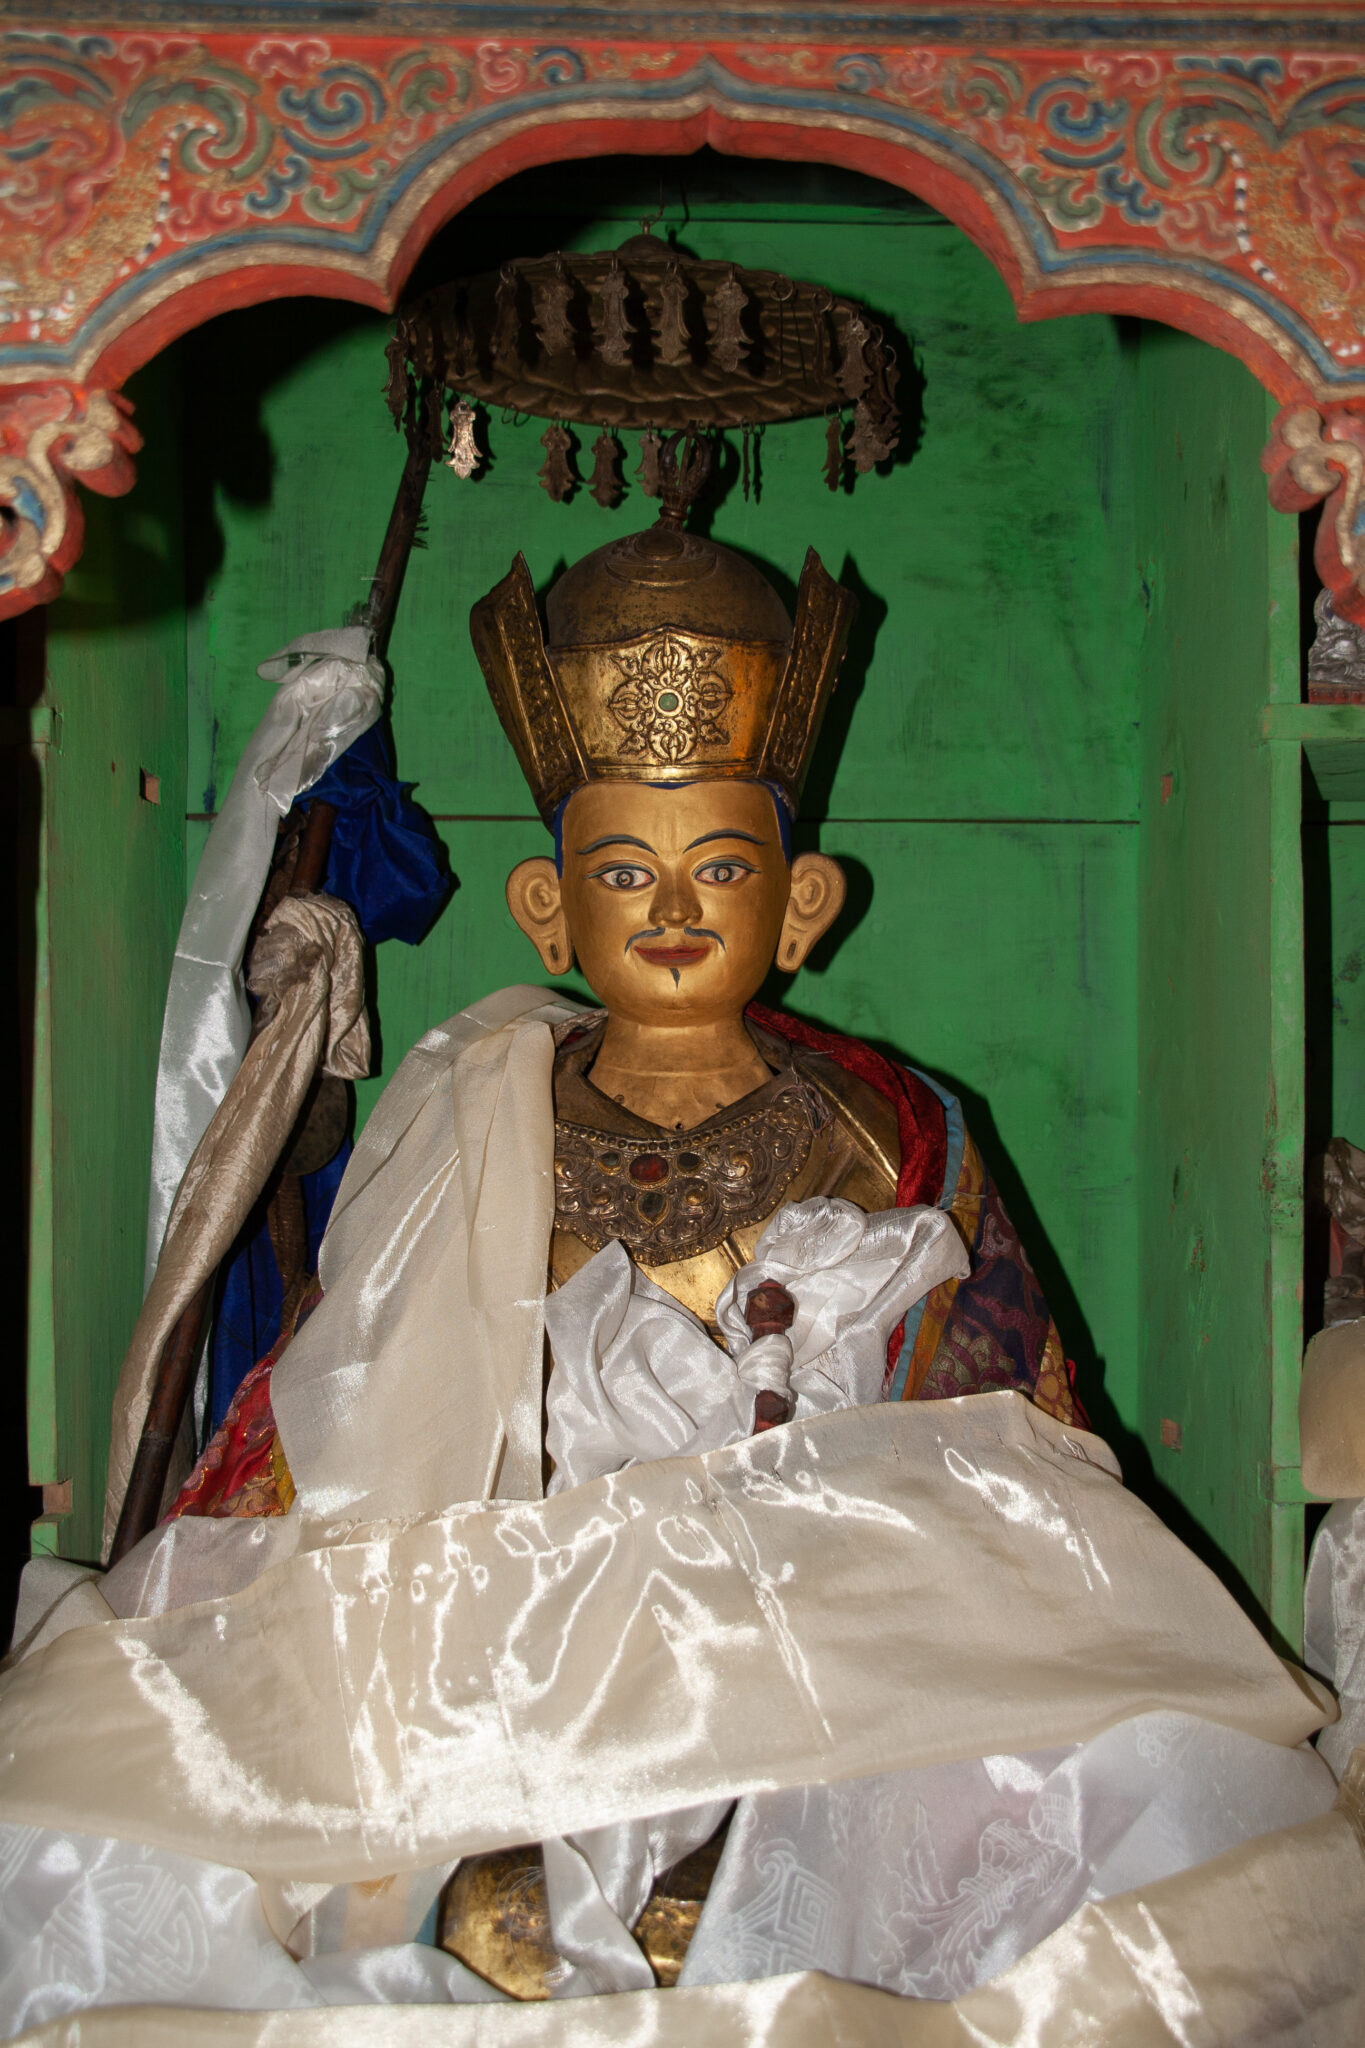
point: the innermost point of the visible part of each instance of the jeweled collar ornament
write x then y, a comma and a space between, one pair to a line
666, 658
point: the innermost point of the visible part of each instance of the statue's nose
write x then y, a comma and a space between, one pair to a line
675, 901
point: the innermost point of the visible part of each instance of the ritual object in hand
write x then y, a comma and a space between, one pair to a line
770, 1312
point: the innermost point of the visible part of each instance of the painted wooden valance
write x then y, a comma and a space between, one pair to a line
1202, 166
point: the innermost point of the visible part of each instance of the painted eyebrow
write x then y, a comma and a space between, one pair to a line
617, 839
707, 837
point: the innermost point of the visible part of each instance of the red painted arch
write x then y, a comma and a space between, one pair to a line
222, 284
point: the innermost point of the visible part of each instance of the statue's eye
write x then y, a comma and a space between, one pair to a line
716, 873
626, 876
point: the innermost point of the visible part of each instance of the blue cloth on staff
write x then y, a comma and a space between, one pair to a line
388, 863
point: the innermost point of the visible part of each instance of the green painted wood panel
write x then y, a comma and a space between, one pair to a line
115, 893
1341, 1049
1220, 1096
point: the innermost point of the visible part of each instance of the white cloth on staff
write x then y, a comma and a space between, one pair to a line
331, 689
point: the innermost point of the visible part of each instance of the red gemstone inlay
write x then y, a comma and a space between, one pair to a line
649, 1166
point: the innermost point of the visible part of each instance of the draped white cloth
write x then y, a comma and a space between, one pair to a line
637, 1377
344, 1701
331, 690
1334, 1624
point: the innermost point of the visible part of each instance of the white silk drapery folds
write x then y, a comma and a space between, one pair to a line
345, 1700
331, 689
636, 1376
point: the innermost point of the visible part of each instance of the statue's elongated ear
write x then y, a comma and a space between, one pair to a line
536, 902
817, 897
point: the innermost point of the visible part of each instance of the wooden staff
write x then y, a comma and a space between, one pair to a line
176, 1367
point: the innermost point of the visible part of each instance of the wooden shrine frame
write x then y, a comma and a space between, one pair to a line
1202, 166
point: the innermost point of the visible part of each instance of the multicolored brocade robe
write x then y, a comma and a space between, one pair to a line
990, 1330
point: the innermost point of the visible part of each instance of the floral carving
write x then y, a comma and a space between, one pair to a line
49, 435
1188, 176
671, 699
1319, 457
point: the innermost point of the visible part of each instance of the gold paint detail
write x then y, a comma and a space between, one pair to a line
853, 1153
280, 1472
651, 678
494, 1918
671, 698
506, 631
825, 612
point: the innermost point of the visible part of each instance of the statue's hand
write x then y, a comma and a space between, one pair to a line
770, 1312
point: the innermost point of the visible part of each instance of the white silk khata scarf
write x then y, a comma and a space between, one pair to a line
425, 1659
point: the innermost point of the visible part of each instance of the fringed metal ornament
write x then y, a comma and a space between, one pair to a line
871, 442
606, 470
614, 338
727, 335
556, 476
853, 370
463, 453
673, 342
834, 451
552, 312
648, 472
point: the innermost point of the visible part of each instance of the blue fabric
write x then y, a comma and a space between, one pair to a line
248, 1320
387, 862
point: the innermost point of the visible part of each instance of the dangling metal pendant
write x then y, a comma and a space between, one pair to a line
853, 371
606, 470
727, 339
614, 339
552, 312
870, 442
648, 472
556, 475
463, 453
673, 346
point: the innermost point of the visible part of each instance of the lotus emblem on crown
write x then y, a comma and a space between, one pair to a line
670, 699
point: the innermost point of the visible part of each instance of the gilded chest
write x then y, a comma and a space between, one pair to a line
689, 1206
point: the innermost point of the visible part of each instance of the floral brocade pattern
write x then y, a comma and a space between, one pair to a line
243, 1470
997, 1331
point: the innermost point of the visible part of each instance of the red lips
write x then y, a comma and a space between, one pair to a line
672, 956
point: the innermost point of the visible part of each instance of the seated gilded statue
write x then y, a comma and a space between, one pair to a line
602, 1586
665, 723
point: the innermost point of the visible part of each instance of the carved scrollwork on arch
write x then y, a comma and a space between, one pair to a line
1317, 456
1208, 174
51, 435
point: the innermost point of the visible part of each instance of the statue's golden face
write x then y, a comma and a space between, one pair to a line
674, 901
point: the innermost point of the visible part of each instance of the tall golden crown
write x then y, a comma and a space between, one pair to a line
668, 659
